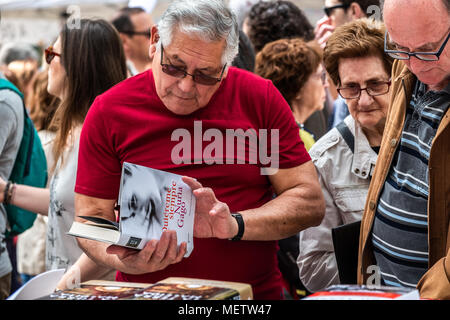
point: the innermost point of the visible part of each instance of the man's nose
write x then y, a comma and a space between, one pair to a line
186, 84
416, 65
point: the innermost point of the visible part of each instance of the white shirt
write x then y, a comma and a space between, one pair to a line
62, 250
31, 243
344, 179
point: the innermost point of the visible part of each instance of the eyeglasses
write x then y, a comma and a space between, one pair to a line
404, 55
329, 10
372, 89
146, 33
199, 78
49, 54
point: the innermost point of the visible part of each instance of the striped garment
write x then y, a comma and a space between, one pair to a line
400, 228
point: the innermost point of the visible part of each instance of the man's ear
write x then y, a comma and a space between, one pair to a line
153, 41
124, 39
355, 11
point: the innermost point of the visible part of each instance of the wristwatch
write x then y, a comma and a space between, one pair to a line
241, 226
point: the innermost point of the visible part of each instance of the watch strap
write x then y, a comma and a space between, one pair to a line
241, 226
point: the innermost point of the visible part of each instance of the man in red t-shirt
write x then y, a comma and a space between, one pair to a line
191, 95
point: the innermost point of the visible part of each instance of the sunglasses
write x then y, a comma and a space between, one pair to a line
50, 54
199, 78
329, 10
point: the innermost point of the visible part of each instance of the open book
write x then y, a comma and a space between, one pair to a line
150, 201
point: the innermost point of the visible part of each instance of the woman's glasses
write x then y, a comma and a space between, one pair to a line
199, 78
373, 89
50, 54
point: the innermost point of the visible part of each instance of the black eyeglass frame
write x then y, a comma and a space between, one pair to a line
184, 73
146, 33
436, 54
329, 10
367, 88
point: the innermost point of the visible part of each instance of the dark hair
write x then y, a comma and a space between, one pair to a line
288, 63
122, 22
42, 104
94, 61
270, 21
246, 56
356, 39
364, 4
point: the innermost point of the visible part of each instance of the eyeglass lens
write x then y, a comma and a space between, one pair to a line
372, 90
173, 71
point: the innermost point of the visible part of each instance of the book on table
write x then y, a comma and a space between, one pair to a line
173, 288
150, 201
363, 292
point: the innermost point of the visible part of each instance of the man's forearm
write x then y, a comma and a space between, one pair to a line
292, 211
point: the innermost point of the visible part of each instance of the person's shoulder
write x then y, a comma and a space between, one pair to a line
243, 79
11, 98
400, 71
12, 105
326, 146
126, 91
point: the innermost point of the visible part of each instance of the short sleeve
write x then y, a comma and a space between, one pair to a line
99, 168
8, 123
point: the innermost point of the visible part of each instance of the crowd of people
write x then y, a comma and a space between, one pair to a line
358, 106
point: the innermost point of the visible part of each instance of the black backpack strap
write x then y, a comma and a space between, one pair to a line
347, 135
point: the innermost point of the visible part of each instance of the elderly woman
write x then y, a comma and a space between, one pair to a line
355, 59
295, 68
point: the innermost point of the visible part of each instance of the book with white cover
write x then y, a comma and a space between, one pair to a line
40, 285
150, 201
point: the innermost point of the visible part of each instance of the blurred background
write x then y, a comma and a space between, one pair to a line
38, 21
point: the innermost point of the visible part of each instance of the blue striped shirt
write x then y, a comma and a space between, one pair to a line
400, 228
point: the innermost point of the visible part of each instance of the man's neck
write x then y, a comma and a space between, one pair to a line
141, 66
438, 87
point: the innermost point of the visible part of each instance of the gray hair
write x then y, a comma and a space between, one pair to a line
14, 51
210, 20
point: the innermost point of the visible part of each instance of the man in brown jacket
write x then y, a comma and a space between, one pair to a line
405, 234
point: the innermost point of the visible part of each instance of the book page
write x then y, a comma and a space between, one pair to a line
152, 201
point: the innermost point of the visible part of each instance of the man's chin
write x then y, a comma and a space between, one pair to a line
432, 80
182, 107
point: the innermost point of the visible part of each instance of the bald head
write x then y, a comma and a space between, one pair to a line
415, 14
446, 3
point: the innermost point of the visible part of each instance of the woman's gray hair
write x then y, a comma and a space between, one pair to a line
210, 20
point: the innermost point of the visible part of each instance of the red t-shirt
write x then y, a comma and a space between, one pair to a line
130, 123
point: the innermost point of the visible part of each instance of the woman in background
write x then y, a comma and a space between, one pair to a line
356, 62
83, 63
295, 68
31, 243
